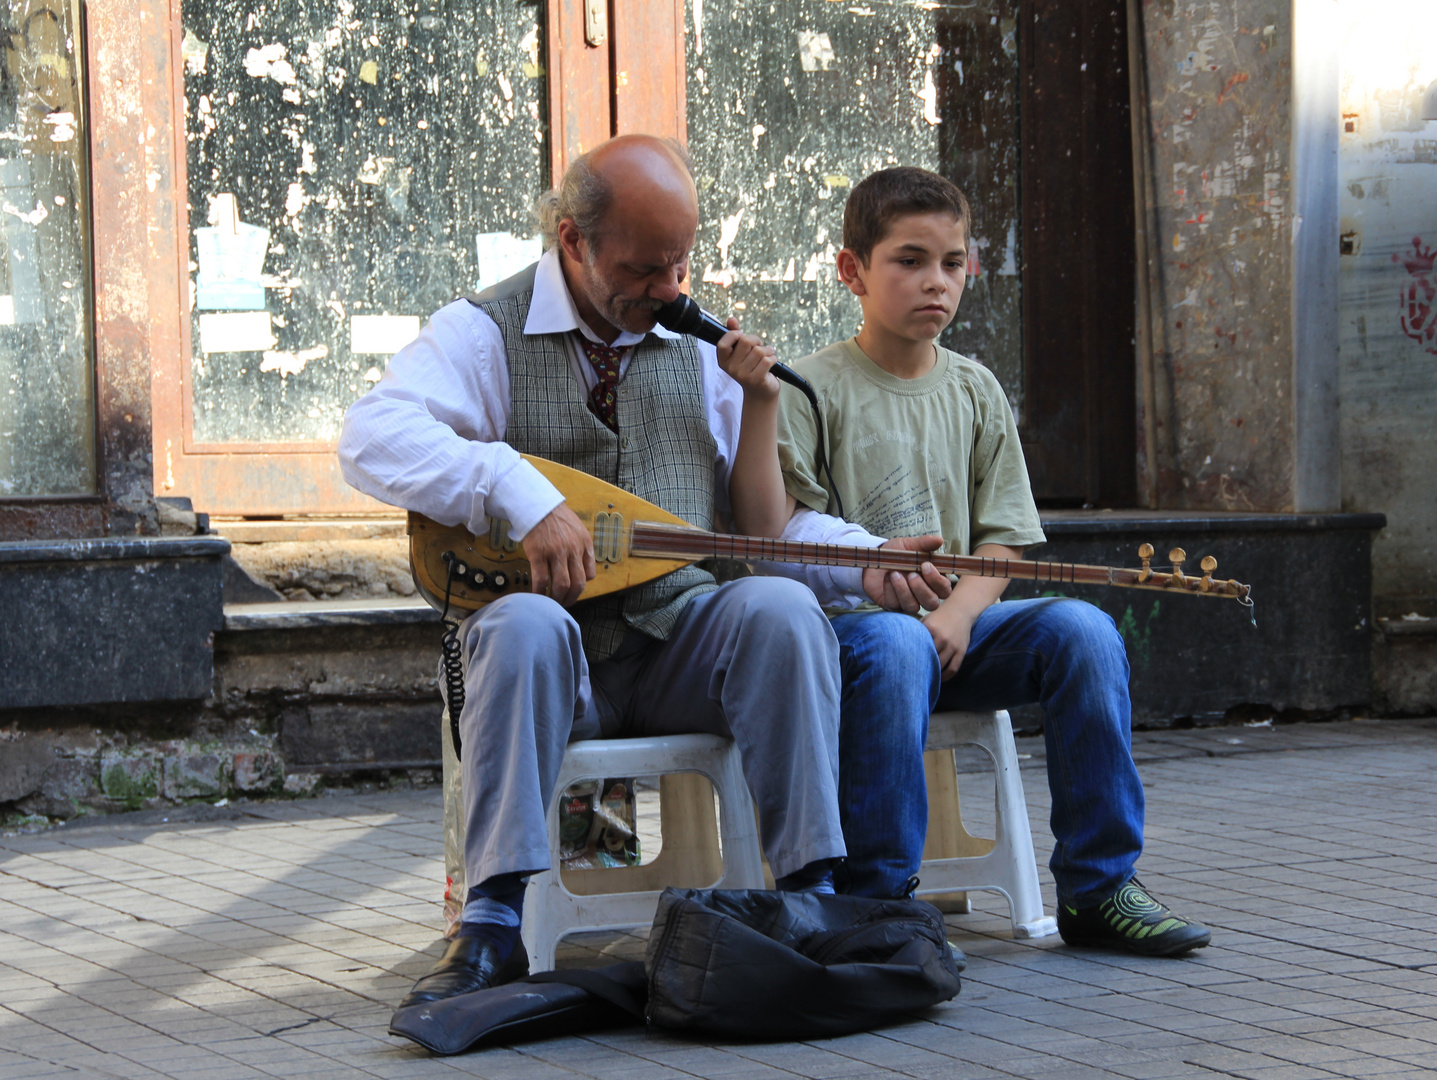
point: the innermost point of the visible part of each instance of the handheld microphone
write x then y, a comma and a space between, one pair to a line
683, 316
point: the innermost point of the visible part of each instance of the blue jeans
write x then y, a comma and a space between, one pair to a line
1065, 655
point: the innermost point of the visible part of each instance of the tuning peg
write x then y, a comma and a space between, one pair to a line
1176, 557
1208, 564
1145, 552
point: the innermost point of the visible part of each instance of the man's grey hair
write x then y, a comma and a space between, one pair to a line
584, 196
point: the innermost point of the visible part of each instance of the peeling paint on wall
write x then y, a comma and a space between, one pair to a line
1218, 76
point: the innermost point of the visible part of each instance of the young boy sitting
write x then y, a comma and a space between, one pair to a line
923, 446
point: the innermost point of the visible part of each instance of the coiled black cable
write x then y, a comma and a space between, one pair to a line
453, 662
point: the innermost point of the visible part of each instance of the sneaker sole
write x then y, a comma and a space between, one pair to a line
1138, 948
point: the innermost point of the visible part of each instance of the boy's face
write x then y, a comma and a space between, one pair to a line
914, 278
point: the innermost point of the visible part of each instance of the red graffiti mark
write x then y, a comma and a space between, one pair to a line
1240, 77
974, 268
1419, 296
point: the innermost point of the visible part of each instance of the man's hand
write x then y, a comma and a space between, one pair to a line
561, 555
895, 591
747, 359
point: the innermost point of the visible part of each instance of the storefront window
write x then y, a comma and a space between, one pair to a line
352, 166
47, 398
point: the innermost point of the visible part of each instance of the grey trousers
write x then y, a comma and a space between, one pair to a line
755, 660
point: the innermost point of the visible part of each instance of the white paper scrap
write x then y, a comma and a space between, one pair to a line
235, 331
815, 50
385, 334
231, 255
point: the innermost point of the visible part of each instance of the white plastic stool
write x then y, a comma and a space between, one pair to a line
626, 897
954, 860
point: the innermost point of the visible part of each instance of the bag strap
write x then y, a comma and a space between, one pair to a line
604, 987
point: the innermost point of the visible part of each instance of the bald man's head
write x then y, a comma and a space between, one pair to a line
625, 165
624, 220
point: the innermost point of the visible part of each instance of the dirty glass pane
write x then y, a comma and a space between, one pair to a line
353, 165
790, 104
47, 404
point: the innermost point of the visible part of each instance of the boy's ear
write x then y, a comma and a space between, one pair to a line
850, 272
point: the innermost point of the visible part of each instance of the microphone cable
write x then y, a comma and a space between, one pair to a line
452, 658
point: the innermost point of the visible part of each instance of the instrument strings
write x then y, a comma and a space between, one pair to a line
647, 538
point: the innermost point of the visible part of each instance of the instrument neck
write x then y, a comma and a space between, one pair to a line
653, 539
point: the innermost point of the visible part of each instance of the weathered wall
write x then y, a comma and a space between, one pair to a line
1388, 309
1219, 79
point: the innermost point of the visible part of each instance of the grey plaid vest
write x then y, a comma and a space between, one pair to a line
664, 451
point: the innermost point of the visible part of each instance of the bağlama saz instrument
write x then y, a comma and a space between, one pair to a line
636, 541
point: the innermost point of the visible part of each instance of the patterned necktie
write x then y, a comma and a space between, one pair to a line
604, 397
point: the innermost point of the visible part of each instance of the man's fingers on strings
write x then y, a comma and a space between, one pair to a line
927, 596
579, 576
558, 576
937, 581
907, 602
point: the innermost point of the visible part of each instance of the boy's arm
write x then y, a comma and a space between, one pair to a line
952, 624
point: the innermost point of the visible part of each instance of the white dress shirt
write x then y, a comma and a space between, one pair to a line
430, 436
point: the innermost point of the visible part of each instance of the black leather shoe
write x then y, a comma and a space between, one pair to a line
470, 963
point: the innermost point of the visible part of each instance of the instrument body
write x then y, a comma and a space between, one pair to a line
636, 541
605, 510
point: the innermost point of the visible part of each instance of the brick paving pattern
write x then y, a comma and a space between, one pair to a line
273, 940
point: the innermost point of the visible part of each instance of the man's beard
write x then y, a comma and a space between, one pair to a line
614, 307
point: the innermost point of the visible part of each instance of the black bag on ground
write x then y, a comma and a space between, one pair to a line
750, 964
541, 1006
742, 964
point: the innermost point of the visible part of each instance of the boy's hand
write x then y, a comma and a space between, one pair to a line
747, 360
951, 627
895, 591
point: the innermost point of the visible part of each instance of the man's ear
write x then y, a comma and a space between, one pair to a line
571, 240
850, 272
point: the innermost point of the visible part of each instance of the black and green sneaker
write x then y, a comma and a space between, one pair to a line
1131, 919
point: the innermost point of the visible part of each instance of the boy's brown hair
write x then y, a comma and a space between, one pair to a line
887, 195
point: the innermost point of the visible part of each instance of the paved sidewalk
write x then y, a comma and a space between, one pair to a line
273, 940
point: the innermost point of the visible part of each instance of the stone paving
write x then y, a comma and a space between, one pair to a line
273, 939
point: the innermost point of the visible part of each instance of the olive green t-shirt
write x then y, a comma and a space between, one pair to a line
936, 454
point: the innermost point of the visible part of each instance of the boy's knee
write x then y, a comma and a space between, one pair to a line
883, 644
1085, 631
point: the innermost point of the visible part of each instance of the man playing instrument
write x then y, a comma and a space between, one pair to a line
563, 361
922, 440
